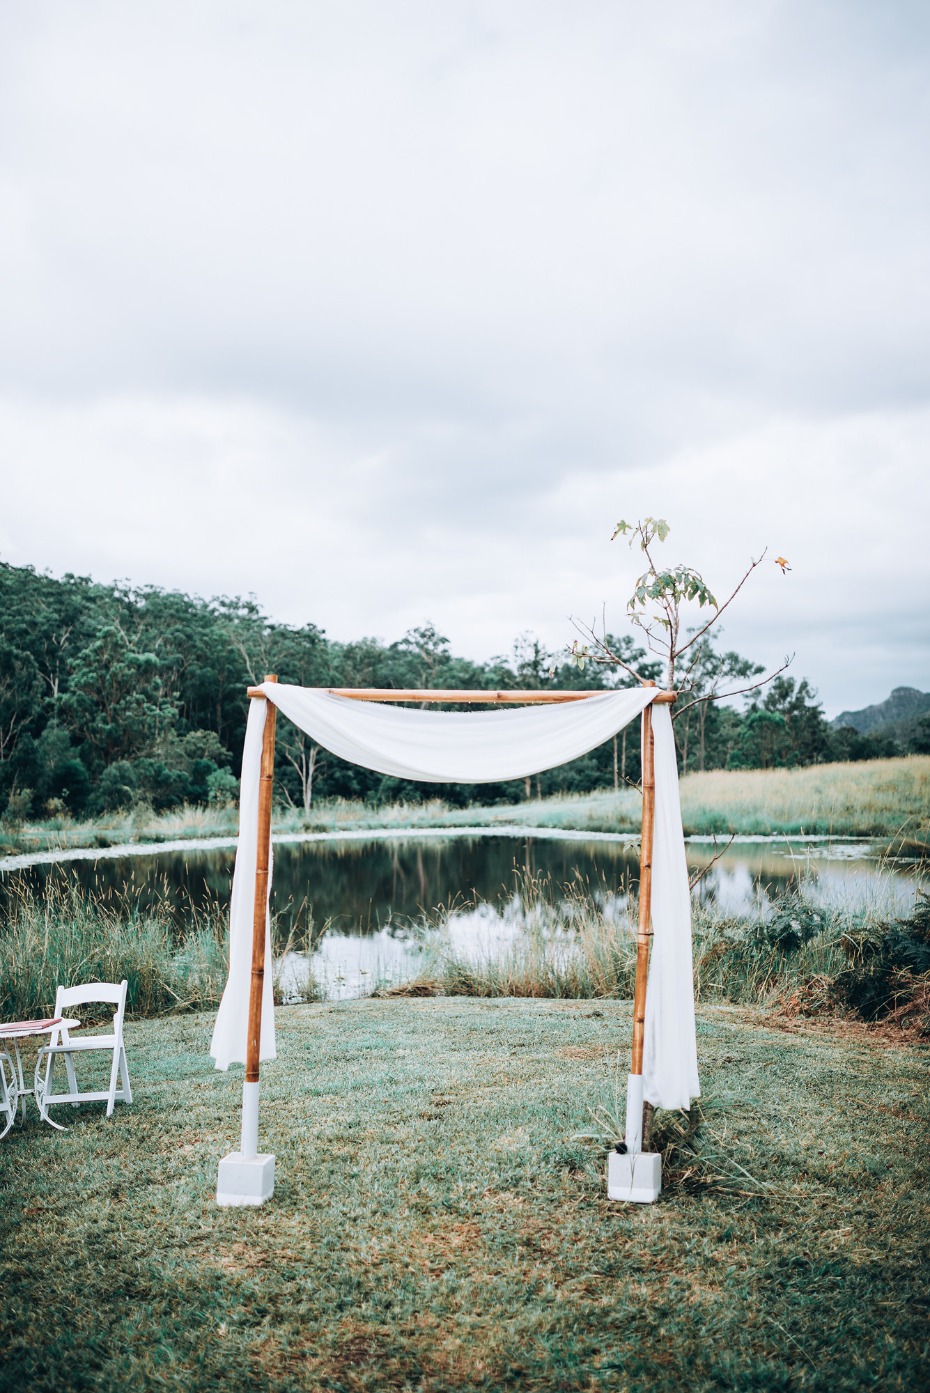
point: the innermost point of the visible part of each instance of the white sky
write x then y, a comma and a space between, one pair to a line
388, 312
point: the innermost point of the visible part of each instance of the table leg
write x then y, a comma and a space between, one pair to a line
21, 1082
38, 1092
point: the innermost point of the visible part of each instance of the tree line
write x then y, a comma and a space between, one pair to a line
119, 696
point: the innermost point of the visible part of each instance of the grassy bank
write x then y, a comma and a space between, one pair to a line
437, 1226
66, 936
881, 798
794, 955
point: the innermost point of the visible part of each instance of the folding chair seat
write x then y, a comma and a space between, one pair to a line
64, 1046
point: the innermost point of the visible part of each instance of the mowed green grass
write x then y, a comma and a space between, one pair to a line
435, 1226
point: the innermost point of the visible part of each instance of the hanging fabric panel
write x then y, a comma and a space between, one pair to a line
457, 747
481, 747
229, 1033
670, 1072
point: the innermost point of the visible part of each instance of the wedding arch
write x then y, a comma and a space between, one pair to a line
529, 732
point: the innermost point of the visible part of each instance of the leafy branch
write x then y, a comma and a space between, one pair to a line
658, 607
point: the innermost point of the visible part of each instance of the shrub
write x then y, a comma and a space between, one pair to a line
19, 806
222, 788
884, 962
794, 921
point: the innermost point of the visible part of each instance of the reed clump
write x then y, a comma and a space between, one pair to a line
173, 962
64, 936
792, 955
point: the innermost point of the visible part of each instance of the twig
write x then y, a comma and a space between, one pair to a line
683, 682
587, 631
728, 601
739, 691
701, 874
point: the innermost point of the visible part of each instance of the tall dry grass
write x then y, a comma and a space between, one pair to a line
65, 936
572, 944
880, 798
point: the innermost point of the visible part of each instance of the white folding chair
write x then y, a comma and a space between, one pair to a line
9, 1093
62, 1044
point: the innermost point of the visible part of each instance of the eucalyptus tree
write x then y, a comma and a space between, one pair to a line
662, 599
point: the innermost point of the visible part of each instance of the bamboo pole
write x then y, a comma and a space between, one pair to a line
645, 892
260, 904
464, 696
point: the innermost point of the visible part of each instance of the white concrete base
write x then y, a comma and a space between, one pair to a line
245, 1180
636, 1179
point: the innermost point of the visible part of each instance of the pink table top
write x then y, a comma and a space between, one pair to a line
19, 1030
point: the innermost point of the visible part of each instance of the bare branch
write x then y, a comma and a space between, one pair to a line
726, 602
607, 655
740, 691
239, 645
696, 880
683, 681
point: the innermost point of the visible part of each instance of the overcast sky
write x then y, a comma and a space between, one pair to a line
387, 312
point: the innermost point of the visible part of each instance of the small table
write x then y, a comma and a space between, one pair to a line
14, 1031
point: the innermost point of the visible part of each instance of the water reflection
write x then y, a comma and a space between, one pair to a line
358, 904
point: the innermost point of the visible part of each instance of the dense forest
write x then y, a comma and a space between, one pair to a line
113, 696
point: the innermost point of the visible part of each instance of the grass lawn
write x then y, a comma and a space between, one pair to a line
435, 1226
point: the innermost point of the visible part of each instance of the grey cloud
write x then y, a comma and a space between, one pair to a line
485, 272
217, 204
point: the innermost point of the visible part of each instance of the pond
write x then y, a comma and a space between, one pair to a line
363, 904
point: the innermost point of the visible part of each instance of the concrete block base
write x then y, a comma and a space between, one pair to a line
245, 1180
636, 1179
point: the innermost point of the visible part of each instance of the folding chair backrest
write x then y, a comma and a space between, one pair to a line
110, 992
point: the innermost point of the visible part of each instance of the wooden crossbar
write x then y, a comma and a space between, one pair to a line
462, 696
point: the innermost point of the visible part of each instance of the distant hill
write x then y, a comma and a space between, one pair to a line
901, 710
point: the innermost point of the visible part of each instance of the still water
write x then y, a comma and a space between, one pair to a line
362, 907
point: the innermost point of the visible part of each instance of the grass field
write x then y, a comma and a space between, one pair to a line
882, 798
436, 1226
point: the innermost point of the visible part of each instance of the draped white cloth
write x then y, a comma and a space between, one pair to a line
481, 747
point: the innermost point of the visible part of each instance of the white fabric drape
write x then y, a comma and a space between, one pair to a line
482, 747
450, 747
229, 1033
670, 1072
